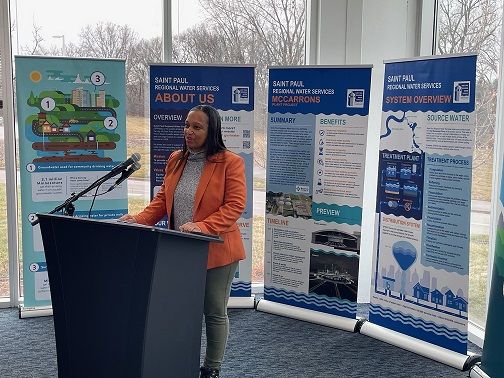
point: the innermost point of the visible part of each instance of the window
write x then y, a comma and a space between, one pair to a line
4, 256
475, 26
98, 30
259, 32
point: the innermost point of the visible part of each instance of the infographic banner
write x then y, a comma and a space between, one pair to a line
491, 360
72, 131
177, 88
317, 130
420, 276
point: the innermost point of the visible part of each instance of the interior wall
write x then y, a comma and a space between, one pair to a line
332, 32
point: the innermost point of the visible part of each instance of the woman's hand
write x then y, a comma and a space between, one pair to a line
190, 227
127, 218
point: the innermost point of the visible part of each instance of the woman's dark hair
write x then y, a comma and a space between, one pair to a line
214, 141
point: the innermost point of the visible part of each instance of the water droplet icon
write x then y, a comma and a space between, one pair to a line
405, 254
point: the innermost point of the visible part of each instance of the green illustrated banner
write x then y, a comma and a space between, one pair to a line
72, 132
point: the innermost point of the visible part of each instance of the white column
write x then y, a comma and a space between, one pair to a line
9, 149
167, 31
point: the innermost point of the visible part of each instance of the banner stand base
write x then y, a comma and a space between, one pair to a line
32, 312
434, 352
316, 317
476, 372
241, 302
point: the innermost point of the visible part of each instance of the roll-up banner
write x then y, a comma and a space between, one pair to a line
317, 130
492, 363
72, 131
177, 88
420, 279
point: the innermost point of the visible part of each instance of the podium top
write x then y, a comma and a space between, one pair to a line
117, 223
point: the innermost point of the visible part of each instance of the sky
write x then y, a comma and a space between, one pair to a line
58, 18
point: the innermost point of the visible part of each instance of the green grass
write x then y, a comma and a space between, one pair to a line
259, 183
478, 274
482, 181
135, 205
138, 141
4, 262
258, 248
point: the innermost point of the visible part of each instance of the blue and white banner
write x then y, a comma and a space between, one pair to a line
317, 130
420, 279
72, 131
174, 90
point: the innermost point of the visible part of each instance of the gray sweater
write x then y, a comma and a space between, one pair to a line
183, 200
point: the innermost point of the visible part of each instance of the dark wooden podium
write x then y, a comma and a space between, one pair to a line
127, 299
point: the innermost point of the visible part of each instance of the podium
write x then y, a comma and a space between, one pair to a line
127, 299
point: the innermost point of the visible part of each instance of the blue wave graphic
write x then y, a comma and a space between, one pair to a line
241, 285
312, 301
316, 114
350, 215
418, 323
241, 289
335, 253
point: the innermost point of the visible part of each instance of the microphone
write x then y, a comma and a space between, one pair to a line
131, 160
125, 174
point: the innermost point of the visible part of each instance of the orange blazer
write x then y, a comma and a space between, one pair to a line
219, 201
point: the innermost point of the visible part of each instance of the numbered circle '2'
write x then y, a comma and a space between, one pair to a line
32, 217
110, 123
97, 78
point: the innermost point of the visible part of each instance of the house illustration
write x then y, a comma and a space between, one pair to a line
91, 136
420, 292
437, 297
449, 298
460, 304
388, 283
46, 127
66, 127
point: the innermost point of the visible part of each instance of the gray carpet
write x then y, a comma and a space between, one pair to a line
260, 345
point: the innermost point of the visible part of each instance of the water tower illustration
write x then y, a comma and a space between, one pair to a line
405, 254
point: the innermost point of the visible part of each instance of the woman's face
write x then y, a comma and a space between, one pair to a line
196, 130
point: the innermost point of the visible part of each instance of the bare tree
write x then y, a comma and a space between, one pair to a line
35, 48
109, 40
260, 32
146, 51
201, 44
473, 26
275, 25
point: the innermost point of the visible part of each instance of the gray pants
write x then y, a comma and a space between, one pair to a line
218, 286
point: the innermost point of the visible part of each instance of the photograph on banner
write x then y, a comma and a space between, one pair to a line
317, 130
174, 90
72, 132
420, 282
